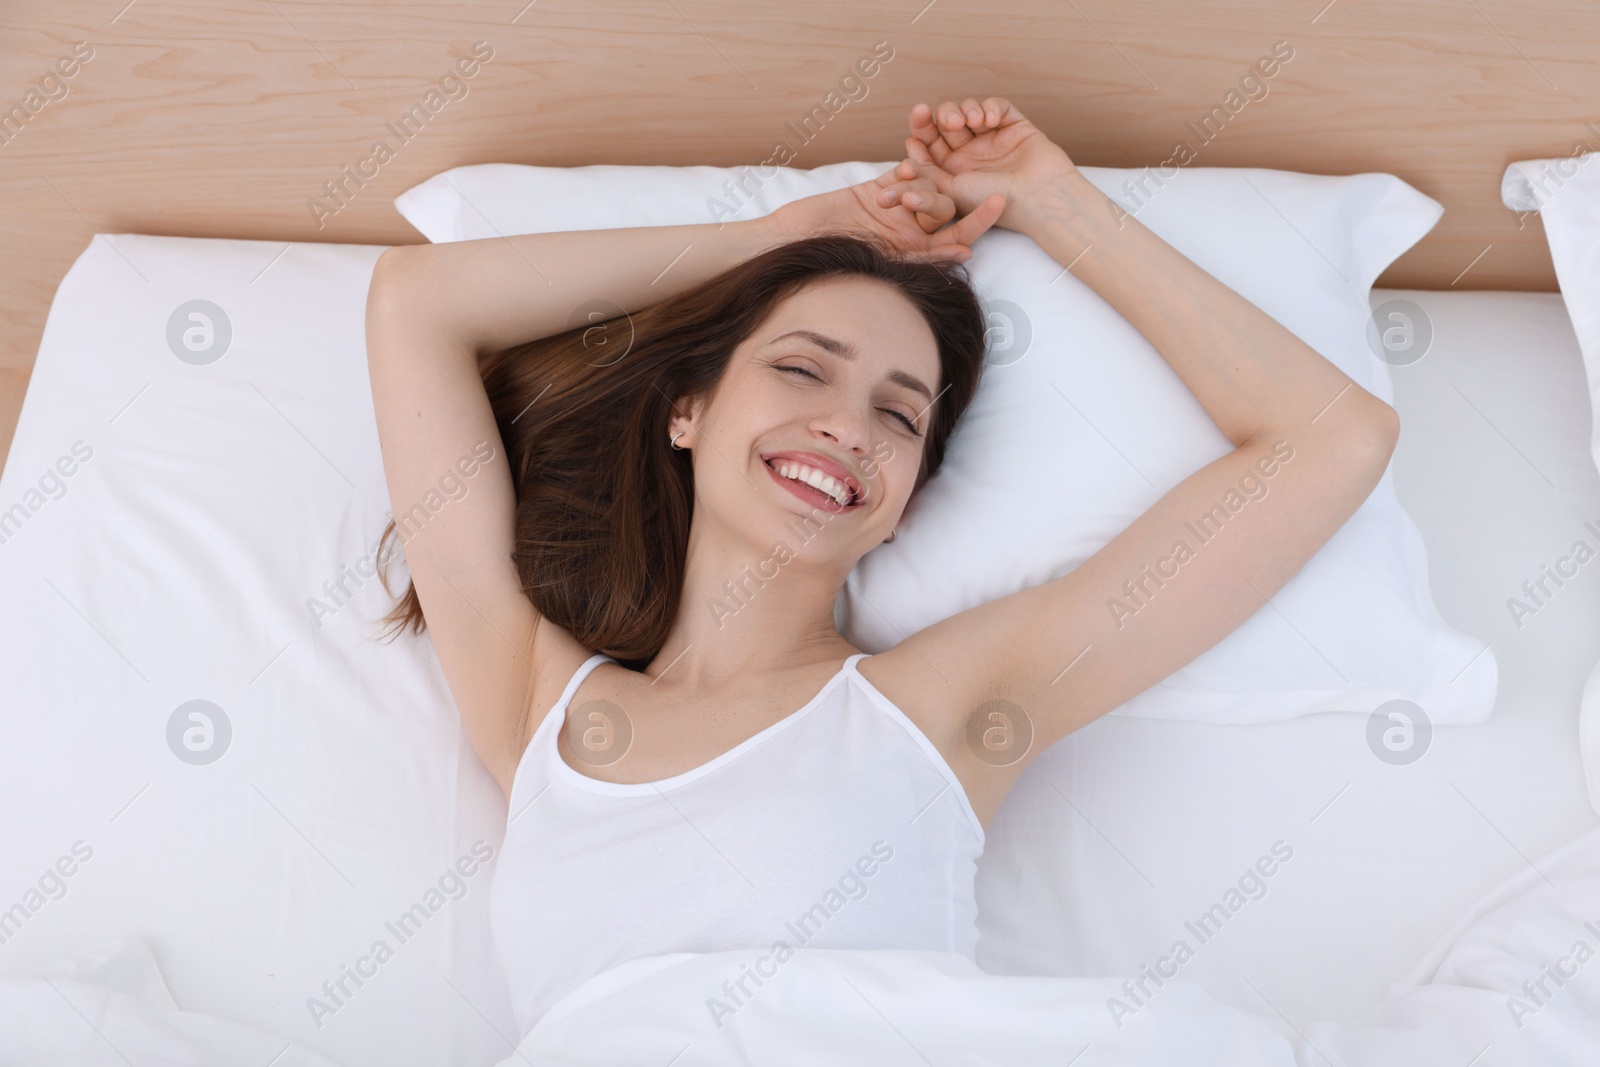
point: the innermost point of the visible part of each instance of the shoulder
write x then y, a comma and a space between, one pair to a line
935, 701
556, 658
985, 738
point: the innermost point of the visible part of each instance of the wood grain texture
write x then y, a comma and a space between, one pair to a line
225, 119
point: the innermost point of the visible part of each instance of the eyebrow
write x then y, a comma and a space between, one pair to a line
846, 351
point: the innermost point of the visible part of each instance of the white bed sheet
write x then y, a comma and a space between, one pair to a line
1151, 823
220, 497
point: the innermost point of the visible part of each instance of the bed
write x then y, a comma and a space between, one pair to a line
249, 793
351, 794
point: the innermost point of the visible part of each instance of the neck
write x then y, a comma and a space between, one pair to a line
750, 610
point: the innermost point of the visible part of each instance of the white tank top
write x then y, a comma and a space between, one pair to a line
839, 826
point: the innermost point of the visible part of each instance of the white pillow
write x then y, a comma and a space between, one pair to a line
192, 685
1566, 194
1079, 424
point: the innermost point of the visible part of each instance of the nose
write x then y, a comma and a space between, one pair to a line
848, 425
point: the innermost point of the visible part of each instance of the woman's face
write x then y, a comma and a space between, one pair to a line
842, 379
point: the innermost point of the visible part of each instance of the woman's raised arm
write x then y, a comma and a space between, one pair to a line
1292, 415
431, 310
492, 294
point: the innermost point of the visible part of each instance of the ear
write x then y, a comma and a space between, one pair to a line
687, 412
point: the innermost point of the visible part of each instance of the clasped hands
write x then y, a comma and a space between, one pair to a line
969, 166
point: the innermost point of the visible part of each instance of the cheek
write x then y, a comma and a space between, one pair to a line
892, 468
753, 403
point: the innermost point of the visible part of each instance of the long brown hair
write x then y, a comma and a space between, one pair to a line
603, 500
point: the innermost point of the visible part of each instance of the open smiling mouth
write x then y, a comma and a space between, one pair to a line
813, 486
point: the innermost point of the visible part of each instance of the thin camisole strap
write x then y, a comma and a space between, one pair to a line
852, 667
543, 735
578, 676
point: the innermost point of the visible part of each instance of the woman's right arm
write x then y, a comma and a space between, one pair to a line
431, 310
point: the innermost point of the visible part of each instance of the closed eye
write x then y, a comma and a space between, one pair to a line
909, 425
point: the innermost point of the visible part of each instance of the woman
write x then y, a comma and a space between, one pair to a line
692, 505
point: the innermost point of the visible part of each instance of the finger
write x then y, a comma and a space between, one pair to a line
972, 111
927, 167
901, 171
922, 154
890, 193
973, 225
953, 125
1003, 110
955, 253
933, 209
926, 133
916, 196
896, 192
921, 183
920, 196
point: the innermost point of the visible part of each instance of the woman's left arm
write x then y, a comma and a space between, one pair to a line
1310, 446
1253, 376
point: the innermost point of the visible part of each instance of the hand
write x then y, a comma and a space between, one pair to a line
903, 205
974, 151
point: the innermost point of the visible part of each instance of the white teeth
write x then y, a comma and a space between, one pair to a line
816, 479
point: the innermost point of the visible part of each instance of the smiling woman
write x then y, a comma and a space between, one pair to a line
806, 369
609, 472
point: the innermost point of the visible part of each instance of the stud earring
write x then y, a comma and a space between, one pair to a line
675, 443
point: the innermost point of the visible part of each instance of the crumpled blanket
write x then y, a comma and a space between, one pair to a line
111, 1008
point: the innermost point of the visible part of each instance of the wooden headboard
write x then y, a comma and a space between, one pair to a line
226, 118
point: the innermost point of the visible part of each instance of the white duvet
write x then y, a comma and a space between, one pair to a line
1518, 982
